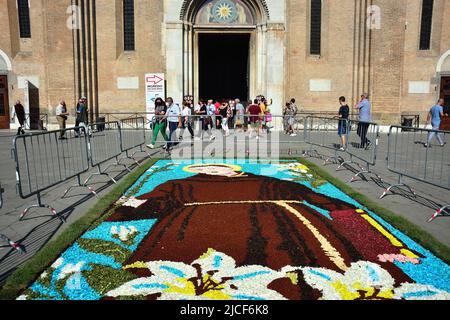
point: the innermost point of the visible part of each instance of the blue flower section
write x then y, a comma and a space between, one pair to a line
103, 232
47, 292
77, 288
73, 256
323, 212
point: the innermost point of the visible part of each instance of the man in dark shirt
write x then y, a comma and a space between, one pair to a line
344, 112
19, 111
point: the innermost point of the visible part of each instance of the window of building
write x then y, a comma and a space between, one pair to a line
128, 25
426, 24
23, 9
316, 27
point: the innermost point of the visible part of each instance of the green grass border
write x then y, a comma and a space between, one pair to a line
20, 279
29, 272
410, 229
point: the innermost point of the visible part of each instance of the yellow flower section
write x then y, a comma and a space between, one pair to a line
136, 265
383, 231
347, 294
187, 288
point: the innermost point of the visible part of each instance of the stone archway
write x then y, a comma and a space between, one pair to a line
5, 62
267, 40
444, 63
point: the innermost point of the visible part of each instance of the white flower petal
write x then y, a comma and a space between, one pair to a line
369, 275
57, 263
134, 203
322, 279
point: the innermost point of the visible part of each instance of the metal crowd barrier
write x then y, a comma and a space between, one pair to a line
410, 155
3, 238
324, 132
103, 145
45, 160
362, 144
42, 124
132, 137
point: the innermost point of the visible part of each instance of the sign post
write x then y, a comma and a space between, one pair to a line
155, 87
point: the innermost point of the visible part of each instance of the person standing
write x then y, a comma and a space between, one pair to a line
240, 115
201, 113
19, 112
254, 111
160, 122
174, 119
434, 117
344, 112
225, 115
289, 119
365, 117
211, 112
232, 117
61, 117
81, 116
186, 120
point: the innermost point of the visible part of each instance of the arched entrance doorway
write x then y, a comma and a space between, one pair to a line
443, 71
5, 68
234, 39
225, 51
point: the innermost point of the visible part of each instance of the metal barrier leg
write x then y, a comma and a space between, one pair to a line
127, 156
331, 159
121, 164
145, 151
100, 173
12, 244
80, 185
41, 205
361, 173
439, 212
344, 163
398, 185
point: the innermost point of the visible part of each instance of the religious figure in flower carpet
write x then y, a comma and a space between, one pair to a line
232, 219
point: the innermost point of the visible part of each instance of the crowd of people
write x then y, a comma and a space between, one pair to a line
212, 116
208, 118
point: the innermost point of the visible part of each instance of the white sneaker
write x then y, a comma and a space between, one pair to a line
293, 135
257, 138
151, 146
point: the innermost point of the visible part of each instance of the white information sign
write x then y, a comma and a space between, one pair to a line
155, 87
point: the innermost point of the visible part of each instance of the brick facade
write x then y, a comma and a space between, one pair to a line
354, 59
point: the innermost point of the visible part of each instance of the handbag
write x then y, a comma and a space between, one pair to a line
269, 117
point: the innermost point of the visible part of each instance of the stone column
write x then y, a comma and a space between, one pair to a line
174, 60
275, 73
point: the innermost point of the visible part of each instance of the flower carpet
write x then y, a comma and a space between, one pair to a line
230, 230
